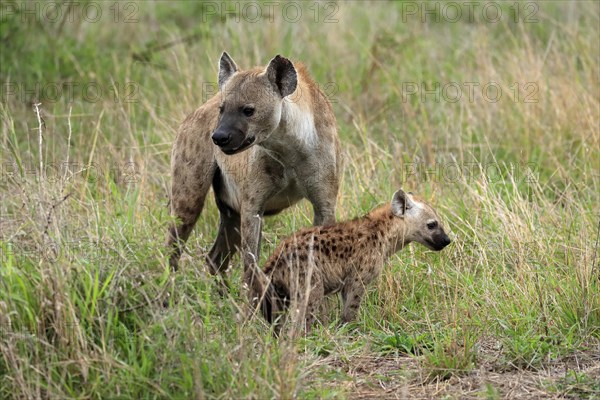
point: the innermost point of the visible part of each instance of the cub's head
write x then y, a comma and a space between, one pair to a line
251, 102
422, 224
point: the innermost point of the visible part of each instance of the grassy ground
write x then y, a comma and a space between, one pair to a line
511, 309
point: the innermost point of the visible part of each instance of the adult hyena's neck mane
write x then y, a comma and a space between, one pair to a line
302, 116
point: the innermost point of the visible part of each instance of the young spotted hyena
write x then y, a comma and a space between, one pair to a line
267, 140
346, 257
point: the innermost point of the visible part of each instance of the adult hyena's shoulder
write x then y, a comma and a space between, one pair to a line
203, 120
193, 135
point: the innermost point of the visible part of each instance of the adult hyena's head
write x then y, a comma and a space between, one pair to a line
251, 102
421, 222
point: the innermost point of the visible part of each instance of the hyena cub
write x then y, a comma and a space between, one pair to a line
346, 257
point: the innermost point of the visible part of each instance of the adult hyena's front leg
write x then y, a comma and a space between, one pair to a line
322, 189
251, 236
255, 196
226, 243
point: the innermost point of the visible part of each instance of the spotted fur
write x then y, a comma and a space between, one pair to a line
343, 257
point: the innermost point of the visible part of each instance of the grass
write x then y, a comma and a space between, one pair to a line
510, 309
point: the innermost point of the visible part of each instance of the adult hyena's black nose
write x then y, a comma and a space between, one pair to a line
221, 137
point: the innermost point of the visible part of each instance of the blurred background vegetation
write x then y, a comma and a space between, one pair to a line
84, 280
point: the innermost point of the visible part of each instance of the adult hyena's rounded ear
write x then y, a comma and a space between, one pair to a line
282, 74
227, 68
400, 203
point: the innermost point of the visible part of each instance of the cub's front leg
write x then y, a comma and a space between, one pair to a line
352, 295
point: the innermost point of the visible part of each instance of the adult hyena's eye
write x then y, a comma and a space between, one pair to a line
221, 109
248, 111
432, 225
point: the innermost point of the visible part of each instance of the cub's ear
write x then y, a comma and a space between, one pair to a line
227, 68
282, 74
400, 203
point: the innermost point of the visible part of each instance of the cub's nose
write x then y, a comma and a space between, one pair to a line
221, 138
446, 241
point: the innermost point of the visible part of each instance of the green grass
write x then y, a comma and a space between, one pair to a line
89, 308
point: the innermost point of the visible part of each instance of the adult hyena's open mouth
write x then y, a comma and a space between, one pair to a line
245, 144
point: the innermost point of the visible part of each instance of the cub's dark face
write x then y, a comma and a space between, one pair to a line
421, 221
251, 102
432, 235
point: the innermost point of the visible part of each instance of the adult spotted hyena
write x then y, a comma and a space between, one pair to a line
265, 141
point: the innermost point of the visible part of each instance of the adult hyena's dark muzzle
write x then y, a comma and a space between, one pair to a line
231, 134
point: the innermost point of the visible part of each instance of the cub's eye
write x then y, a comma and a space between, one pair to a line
221, 109
248, 111
432, 225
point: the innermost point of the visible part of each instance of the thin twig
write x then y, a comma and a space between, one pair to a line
40, 139
68, 145
49, 215
594, 265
